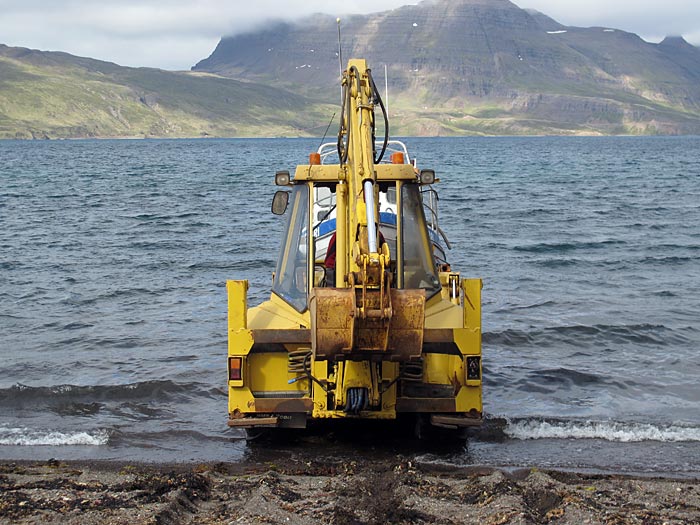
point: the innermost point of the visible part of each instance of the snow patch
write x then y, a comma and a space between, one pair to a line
561, 31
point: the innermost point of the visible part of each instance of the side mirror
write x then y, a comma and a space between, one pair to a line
280, 202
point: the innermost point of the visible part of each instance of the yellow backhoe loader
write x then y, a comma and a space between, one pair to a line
366, 320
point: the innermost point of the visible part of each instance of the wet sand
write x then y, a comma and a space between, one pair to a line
302, 492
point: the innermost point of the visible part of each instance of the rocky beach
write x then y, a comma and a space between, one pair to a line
304, 491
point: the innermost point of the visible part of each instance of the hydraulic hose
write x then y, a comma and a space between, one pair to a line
378, 97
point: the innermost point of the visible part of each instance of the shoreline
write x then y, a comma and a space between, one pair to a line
313, 137
363, 491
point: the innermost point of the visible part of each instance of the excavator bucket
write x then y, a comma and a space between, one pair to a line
338, 332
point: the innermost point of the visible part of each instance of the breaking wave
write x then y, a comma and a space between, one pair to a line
624, 432
28, 437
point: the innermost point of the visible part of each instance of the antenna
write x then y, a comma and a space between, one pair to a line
386, 89
326, 132
340, 57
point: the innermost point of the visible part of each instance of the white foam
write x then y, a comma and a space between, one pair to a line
28, 437
607, 430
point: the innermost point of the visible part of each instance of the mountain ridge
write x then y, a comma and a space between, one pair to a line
484, 67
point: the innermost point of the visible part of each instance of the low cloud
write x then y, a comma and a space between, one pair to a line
650, 19
175, 34
170, 34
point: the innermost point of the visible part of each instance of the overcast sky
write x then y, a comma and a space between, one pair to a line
175, 34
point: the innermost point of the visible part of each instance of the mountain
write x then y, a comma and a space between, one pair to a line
57, 95
482, 66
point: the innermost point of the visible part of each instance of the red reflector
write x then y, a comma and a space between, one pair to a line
234, 368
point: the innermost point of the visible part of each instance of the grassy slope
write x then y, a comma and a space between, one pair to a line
59, 96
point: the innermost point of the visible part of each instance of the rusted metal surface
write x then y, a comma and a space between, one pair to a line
371, 335
283, 405
249, 422
427, 390
425, 404
406, 325
438, 335
455, 420
332, 321
371, 321
282, 336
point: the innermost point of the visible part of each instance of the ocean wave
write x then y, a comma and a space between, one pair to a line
584, 335
29, 437
558, 263
564, 377
624, 432
668, 259
171, 436
60, 394
563, 247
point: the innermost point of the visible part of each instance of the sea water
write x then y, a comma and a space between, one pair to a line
114, 257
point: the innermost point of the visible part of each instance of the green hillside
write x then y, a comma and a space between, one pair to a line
455, 67
56, 95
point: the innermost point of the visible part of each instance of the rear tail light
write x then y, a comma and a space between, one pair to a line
235, 368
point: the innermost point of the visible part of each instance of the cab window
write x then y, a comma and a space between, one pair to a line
419, 264
291, 276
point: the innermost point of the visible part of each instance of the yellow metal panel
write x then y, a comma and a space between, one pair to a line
237, 304
468, 340
240, 342
240, 401
275, 313
361, 212
395, 172
472, 303
468, 399
443, 314
317, 173
437, 369
268, 372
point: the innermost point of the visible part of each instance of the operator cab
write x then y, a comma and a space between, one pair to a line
403, 207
